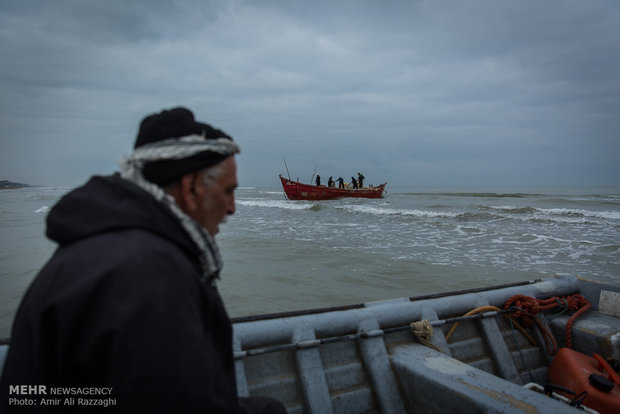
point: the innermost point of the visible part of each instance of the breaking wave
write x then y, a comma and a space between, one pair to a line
563, 214
397, 212
284, 204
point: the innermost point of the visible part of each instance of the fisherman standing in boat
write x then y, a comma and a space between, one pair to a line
330, 182
128, 301
340, 182
353, 182
360, 180
318, 180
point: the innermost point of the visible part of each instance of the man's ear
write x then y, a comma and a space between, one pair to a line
189, 189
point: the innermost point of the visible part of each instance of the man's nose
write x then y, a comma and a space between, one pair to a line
231, 206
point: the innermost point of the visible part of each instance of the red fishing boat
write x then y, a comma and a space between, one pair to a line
295, 190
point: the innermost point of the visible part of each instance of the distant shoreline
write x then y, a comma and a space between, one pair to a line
10, 185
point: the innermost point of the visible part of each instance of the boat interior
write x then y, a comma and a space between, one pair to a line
367, 359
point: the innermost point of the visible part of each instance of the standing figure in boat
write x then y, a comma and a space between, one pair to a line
360, 180
318, 180
330, 182
353, 182
128, 300
340, 182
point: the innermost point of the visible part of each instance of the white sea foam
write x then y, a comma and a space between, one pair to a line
554, 213
399, 212
505, 208
468, 230
43, 209
612, 215
275, 204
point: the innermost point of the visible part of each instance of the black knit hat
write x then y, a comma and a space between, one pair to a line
176, 123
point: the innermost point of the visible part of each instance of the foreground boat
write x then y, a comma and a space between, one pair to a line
409, 355
365, 358
295, 190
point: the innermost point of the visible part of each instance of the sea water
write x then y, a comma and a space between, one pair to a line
282, 255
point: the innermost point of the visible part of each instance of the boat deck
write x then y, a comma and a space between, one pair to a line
365, 360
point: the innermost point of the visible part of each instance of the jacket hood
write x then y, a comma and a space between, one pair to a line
112, 203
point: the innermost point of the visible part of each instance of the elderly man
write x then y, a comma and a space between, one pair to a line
127, 305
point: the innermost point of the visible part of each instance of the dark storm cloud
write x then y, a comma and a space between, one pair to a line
413, 92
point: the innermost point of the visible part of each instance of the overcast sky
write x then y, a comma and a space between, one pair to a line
420, 93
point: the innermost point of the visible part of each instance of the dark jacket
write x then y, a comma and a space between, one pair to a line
120, 304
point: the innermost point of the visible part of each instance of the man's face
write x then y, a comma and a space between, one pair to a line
218, 199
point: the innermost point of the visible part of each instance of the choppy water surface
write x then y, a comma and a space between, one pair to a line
410, 243
284, 255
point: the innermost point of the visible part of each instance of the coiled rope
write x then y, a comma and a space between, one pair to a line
423, 331
526, 308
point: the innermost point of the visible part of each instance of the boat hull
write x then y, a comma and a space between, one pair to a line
295, 190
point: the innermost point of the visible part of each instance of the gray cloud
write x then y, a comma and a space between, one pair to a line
410, 92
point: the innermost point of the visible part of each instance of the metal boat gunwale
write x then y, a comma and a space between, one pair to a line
393, 312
